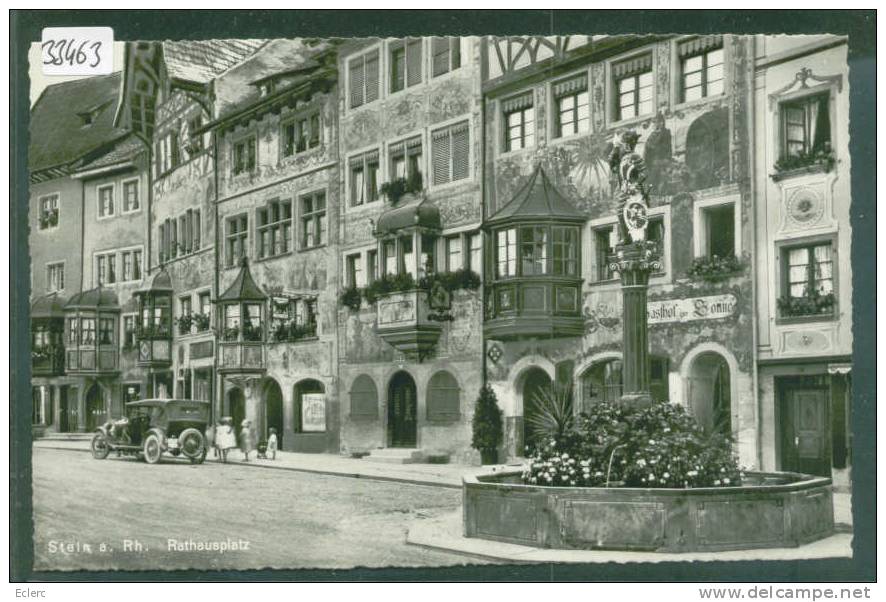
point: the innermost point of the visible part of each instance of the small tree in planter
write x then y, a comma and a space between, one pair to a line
487, 426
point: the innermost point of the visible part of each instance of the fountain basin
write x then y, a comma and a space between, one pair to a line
769, 510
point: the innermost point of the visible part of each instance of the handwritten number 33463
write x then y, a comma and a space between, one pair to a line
59, 52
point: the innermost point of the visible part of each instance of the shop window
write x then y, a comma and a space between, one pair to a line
48, 212
603, 248
274, 229
572, 109
363, 78
364, 398
105, 201
634, 87
55, 277
519, 122
235, 236
450, 148
446, 55
313, 220
244, 155
443, 397
364, 178
807, 281
405, 62
701, 64
806, 126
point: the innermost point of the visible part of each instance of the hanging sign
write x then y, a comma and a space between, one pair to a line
313, 412
691, 309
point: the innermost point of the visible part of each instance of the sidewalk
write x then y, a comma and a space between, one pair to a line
436, 475
444, 533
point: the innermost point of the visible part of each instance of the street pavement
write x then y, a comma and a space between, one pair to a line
121, 513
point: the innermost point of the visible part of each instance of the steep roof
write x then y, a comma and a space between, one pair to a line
200, 61
123, 152
96, 298
244, 287
59, 133
538, 199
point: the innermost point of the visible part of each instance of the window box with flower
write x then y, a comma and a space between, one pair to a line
715, 269
804, 162
292, 331
814, 304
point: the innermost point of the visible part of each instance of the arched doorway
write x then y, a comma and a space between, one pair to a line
710, 397
534, 381
402, 411
236, 407
273, 405
96, 412
309, 408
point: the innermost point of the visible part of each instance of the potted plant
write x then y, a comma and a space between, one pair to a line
351, 298
487, 426
202, 322
395, 189
184, 323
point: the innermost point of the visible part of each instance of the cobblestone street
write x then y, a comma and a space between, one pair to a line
290, 520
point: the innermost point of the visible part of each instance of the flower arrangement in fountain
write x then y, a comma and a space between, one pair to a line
615, 445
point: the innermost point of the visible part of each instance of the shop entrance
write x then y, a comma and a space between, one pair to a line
804, 416
402, 423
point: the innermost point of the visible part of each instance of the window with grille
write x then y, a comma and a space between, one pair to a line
130, 196
313, 220
301, 134
450, 148
446, 55
364, 178
405, 63
406, 160
603, 248
519, 122
443, 403
701, 62
274, 229
634, 87
235, 237
106, 269
55, 277
363, 79
806, 125
48, 212
506, 253
105, 201
244, 155
572, 109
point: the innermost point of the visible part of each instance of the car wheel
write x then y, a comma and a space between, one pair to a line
192, 444
152, 449
100, 448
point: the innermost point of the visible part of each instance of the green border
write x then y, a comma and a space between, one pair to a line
860, 26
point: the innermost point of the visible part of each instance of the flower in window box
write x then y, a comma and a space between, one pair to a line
814, 303
201, 321
184, 324
822, 157
231, 334
715, 268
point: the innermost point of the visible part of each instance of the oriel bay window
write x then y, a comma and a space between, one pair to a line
242, 309
536, 255
92, 319
633, 87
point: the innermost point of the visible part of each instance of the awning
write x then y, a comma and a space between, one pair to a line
419, 213
244, 287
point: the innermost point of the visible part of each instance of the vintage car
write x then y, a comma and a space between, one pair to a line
152, 426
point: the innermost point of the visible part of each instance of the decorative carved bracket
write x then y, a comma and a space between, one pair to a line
802, 81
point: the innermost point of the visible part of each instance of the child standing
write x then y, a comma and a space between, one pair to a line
272, 444
225, 438
246, 440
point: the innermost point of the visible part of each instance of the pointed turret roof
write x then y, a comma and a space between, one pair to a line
537, 200
244, 287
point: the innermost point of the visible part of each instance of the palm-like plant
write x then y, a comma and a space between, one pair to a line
552, 414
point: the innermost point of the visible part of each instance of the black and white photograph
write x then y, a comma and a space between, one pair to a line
373, 302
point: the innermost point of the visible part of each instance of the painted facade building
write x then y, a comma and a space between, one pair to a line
553, 307
88, 225
410, 368
276, 142
803, 238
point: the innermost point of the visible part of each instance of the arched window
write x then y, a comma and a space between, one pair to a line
364, 398
443, 402
310, 406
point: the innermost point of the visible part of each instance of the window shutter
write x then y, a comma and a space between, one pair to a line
460, 152
440, 55
632, 66
441, 157
455, 51
356, 82
443, 397
571, 86
524, 101
197, 229
413, 62
371, 75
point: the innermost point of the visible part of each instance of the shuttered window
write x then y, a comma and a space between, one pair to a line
363, 78
451, 153
364, 398
519, 122
443, 397
446, 55
572, 114
405, 62
634, 87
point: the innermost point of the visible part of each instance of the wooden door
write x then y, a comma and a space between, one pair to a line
402, 411
805, 440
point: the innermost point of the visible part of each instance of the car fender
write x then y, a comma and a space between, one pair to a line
160, 435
